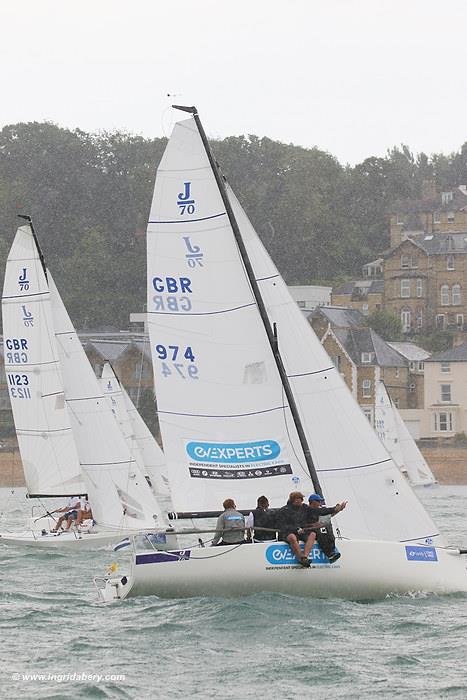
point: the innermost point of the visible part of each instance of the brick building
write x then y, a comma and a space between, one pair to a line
364, 295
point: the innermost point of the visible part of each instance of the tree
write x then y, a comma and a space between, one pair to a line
386, 324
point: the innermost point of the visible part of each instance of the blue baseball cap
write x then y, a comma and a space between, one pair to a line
316, 497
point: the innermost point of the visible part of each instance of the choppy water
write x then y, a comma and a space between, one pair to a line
274, 646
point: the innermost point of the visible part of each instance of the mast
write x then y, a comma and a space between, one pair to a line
270, 332
28, 219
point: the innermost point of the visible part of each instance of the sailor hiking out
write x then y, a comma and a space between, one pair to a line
298, 522
230, 526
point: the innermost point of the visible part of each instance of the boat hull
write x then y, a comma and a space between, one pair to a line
367, 570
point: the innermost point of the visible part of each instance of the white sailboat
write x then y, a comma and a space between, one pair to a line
140, 440
395, 436
249, 403
68, 439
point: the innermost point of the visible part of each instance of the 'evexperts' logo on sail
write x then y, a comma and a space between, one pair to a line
233, 453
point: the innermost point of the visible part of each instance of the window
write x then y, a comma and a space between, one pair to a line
337, 362
443, 422
419, 318
365, 309
301, 304
367, 358
397, 373
440, 322
396, 402
399, 220
460, 320
445, 392
405, 262
445, 367
456, 295
405, 320
366, 388
419, 288
444, 295
451, 217
412, 388
450, 263
446, 197
412, 365
369, 414
436, 217
405, 288
421, 366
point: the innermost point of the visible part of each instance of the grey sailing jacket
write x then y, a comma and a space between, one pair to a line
226, 522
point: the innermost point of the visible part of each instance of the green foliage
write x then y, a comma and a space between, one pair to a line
89, 195
386, 324
436, 341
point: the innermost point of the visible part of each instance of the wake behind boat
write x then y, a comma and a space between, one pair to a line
249, 403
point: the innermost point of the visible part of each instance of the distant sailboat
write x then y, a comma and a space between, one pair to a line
140, 440
69, 441
249, 403
395, 436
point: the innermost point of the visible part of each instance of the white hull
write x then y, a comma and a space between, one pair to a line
367, 570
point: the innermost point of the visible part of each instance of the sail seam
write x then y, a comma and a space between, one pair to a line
31, 364
357, 466
230, 415
306, 374
188, 221
103, 464
271, 277
24, 431
203, 313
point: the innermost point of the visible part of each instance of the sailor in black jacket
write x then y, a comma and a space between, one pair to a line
299, 522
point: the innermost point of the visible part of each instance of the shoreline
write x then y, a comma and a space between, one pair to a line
448, 464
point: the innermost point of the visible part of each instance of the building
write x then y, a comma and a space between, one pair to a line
365, 295
415, 357
425, 282
446, 393
308, 297
362, 357
435, 212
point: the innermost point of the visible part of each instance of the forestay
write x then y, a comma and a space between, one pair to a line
350, 460
118, 491
226, 428
33, 375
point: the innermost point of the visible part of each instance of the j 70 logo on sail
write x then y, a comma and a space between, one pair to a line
23, 280
184, 201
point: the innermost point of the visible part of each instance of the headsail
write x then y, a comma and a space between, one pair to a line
153, 456
385, 424
226, 426
119, 493
34, 379
414, 462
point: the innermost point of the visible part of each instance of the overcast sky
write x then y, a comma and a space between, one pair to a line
353, 77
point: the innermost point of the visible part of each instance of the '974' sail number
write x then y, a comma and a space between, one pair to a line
177, 361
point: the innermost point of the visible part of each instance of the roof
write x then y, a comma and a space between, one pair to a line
457, 354
434, 202
410, 351
359, 340
368, 286
340, 316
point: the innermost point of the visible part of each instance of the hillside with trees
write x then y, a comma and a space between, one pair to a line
89, 196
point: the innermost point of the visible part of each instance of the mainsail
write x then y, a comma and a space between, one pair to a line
34, 379
226, 425
118, 491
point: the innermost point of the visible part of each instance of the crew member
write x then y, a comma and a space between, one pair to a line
261, 517
230, 526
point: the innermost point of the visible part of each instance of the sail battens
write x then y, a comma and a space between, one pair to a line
423, 537
189, 221
38, 431
129, 462
226, 415
25, 296
200, 313
31, 364
356, 466
269, 277
54, 393
308, 374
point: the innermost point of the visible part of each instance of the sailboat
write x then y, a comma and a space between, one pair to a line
68, 438
249, 403
139, 438
395, 436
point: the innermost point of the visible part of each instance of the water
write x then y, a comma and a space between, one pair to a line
275, 646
